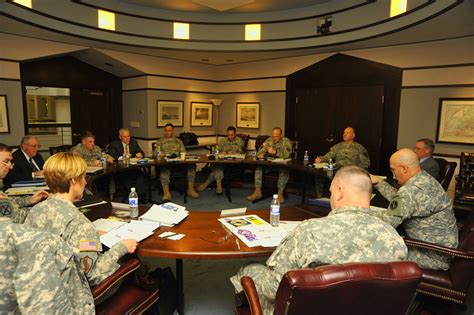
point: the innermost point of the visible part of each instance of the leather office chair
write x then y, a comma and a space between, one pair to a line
61, 148
446, 172
356, 288
245, 138
453, 284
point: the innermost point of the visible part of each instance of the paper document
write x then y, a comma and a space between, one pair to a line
320, 165
137, 230
30, 183
171, 236
168, 213
278, 160
94, 169
107, 225
17, 191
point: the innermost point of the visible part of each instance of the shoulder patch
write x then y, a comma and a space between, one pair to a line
88, 246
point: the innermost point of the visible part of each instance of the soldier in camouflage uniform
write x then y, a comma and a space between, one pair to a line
275, 146
65, 175
230, 145
423, 208
40, 274
167, 146
348, 152
350, 233
16, 208
89, 151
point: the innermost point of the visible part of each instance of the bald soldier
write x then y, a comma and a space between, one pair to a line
350, 233
421, 206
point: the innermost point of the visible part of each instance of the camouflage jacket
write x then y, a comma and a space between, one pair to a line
89, 156
61, 217
424, 209
234, 146
283, 147
40, 274
170, 145
347, 234
348, 154
15, 208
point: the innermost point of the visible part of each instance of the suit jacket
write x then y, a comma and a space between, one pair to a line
431, 167
116, 148
22, 169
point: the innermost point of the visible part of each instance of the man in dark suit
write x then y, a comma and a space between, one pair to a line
125, 144
424, 149
28, 162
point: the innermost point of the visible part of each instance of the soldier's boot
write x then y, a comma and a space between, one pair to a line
166, 193
191, 192
219, 186
281, 199
204, 185
257, 194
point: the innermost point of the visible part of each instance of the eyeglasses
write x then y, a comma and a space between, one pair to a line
8, 164
34, 145
416, 149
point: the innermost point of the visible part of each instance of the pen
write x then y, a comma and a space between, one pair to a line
170, 235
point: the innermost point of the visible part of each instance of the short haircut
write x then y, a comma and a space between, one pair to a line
353, 129
5, 148
27, 138
231, 128
428, 144
278, 128
169, 125
87, 134
122, 130
355, 177
61, 168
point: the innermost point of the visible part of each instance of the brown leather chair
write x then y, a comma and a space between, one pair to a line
245, 138
129, 298
453, 284
446, 172
356, 288
61, 148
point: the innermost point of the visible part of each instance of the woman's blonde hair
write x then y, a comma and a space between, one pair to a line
61, 168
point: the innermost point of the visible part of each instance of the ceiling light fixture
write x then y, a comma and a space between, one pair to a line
106, 20
180, 30
398, 7
252, 31
25, 3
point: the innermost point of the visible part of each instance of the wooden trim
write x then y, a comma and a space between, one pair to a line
205, 80
203, 92
10, 79
447, 155
9, 60
199, 136
459, 65
437, 86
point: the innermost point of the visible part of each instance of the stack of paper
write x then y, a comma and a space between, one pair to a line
94, 169
279, 160
167, 214
30, 183
17, 191
119, 231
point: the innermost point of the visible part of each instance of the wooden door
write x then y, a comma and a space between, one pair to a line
323, 113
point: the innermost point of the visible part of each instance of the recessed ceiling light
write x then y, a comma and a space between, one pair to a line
180, 30
25, 3
397, 7
106, 20
252, 31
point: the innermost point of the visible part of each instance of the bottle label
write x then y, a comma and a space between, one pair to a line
133, 202
275, 209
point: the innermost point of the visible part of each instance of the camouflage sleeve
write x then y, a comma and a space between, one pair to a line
23, 201
182, 149
263, 149
330, 155
364, 158
241, 145
285, 149
221, 145
387, 190
401, 207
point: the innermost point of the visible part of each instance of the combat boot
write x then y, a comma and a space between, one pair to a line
257, 194
191, 192
203, 186
281, 199
219, 186
166, 193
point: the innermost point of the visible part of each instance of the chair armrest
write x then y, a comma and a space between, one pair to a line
439, 249
125, 269
252, 297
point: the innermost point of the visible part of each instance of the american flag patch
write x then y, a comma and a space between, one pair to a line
87, 246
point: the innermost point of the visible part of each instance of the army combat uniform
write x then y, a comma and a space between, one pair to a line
170, 146
15, 208
283, 150
40, 274
226, 146
347, 234
424, 209
89, 156
61, 217
348, 154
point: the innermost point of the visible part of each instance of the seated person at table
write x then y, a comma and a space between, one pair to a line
65, 174
15, 208
424, 149
28, 162
172, 146
350, 233
230, 145
421, 206
347, 153
275, 146
89, 151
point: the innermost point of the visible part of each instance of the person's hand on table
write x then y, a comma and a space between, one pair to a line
261, 156
139, 155
375, 179
110, 160
101, 232
131, 245
317, 160
271, 150
38, 196
95, 163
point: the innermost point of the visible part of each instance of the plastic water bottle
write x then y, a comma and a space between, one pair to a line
216, 152
254, 154
103, 160
306, 158
157, 152
133, 204
330, 169
275, 211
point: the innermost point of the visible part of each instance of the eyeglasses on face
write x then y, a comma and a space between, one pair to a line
7, 163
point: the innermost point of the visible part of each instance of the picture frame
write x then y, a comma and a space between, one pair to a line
169, 111
248, 115
4, 121
455, 121
201, 114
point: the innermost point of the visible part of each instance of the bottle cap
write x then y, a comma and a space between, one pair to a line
132, 189
275, 196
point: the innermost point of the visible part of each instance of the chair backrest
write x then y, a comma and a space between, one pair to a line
461, 271
245, 138
260, 140
446, 172
61, 148
356, 288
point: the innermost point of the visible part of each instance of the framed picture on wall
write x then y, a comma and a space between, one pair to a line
455, 120
4, 123
248, 115
169, 112
201, 114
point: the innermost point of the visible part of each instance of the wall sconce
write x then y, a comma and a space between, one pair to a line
217, 102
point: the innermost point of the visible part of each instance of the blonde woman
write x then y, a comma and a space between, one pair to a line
65, 174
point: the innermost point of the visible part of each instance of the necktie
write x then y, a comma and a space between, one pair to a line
126, 149
33, 166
